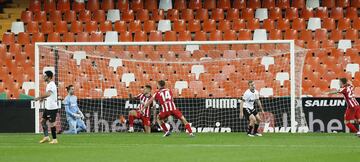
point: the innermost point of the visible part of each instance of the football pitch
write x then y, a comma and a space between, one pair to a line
123, 147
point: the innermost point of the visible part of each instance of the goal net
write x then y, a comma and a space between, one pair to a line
207, 79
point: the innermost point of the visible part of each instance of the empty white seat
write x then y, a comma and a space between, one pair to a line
334, 84
78, 56
110, 92
27, 86
127, 78
267, 61
164, 25
352, 68
261, 13
312, 3
165, 4
115, 63
266, 92
260, 34
282, 76
17, 27
197, 70
111, 36
181, 85
113, 15
192, 47
314, 23
344, 44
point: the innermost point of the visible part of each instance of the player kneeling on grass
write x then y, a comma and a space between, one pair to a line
353, 109
51, 108
142, 112
164, 98
249, 98
73, 114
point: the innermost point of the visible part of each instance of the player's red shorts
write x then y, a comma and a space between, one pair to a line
352, 113
145, 120
177, 113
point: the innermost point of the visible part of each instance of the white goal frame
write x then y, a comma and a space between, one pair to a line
291, 50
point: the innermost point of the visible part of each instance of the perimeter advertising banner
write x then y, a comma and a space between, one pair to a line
325, 114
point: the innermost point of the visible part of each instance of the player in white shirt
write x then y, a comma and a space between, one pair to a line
51, 108
248, 100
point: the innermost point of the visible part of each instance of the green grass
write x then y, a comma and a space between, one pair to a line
179, 147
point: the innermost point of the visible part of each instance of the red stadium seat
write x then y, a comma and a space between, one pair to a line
321, 12
61, 27
337, 13
151, 4
232, 14
306, 13
91, 26
180, 4
32, 27
202, 14
195, 4
76, 27
224, 25
149, 26
275, 13
298, 4
209, 25
321, 34
336, 35
238, 24
125, 36
23, 38
82, 37
344, 24
328, 3
55, 16
342, 3
123, 5
63, 5
8, 38
215, 35
54, 37
209, 4
35, 5
172, 14
351, 13
283, 24
283, 3
26, 16
306, 35
253, 24
299, 24
38, 37
328, 44
275, 34
230, 35
200, 36
127, 16
142, 15
140, 36
328, 23
247, 14
135, 26
137, 5
224, 4
291, 13
155, 36
85, 15
179, 25
313, 44
99, 15
291, 34
352, 34
120, 26
184, 36
49, 5
187, 14
107, 5
158, 15
105, 26
68, 37
93, 5
194, 25
254, 4
78, 6
217, 14
40, 16
239, 4
268, 4
245, 34
268, 24
70, 16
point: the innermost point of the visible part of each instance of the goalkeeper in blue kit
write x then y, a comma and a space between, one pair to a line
73, 114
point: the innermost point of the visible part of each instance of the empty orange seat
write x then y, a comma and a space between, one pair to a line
305, 35
336, 35
180, 4
68, 37
306, 13
120, 26
55, 16
202, 14
61, 27
38, 37
76, 27
247, 14
337, 13
155, 36
184, 36
105, 26
91, 26
54, 37
298, 4
149, 26
179, 25
209, 25
107, 4
78, 6
275, 13
32, 27
275, 34
70, 16
82, 37
283, 24
158, 14
151, 4
321, 12
127, 16
321, 34
244, 34
135, 26
217, 14
344, 24
254, 4
40, 16
194, 25
23, 38
99, 15
85, 15
328, 23
195, 4
232, 14
291, 13
126, 37
253, 24
291, 34
93, 5
268, 24
142, 15
63, 5
224, 25
342, 3
172, 14
352, 34
26, 16
351, 13
8, 38
238, 24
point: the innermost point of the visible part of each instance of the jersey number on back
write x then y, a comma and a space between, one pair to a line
165, 95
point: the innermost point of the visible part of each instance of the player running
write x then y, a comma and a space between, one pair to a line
142, 112
51, 108
164, 98
249, 98
73, 114
353, 109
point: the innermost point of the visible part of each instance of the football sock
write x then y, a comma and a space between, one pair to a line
188, 128
53, 132
163, 126
256, 128
249, 129
351, 127
131, 121
45, 130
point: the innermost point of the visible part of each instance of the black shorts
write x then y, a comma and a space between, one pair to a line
50, 115
248, 112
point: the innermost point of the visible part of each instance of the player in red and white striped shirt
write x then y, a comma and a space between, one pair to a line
143, 112
353, 109
164, 98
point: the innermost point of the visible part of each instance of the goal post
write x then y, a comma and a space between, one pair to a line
92, 60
